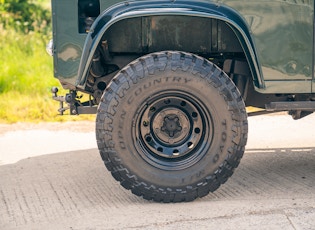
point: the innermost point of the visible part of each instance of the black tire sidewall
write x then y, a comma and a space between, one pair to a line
129, 108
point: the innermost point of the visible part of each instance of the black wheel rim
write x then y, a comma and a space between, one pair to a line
173, 130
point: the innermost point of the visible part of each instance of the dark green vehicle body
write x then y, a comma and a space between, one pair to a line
276, 37
264, 48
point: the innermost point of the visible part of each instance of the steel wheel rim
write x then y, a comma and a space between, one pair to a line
173, 130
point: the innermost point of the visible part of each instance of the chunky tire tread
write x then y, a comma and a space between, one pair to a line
144, 67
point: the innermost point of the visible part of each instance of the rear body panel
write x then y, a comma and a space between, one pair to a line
276, 36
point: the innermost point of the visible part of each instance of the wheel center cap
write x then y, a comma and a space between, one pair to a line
171, 125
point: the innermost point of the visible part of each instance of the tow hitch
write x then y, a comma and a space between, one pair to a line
74, 105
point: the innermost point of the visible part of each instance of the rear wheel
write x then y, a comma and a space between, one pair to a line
171, 127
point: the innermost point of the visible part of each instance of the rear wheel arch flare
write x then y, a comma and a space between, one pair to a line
121, 12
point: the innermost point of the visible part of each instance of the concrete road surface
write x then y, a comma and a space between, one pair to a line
52, 177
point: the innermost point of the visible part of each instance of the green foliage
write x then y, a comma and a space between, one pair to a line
26, 77
26, 71
17, 107
24, 16
25, 65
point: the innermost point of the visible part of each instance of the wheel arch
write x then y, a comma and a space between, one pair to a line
131, 10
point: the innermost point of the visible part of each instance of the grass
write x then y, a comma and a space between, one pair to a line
34, 108
26, 77
25, 66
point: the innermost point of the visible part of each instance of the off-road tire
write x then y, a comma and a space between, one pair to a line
171, 127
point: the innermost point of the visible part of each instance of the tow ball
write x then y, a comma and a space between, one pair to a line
68, 98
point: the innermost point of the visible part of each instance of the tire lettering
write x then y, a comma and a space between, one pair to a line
177, 79
156, 82
138, 91
130, 100
187, 80
122, 118
216, 157
121, 138
193, 177
120, 130
223, 136
224, 123
146, 86
200, 173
